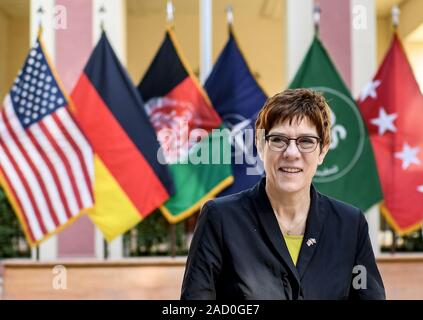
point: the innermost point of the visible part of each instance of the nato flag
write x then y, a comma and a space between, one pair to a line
238, 98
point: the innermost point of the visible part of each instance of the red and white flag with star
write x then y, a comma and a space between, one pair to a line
392, 107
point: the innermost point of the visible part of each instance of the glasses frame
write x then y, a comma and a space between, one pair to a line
268, 136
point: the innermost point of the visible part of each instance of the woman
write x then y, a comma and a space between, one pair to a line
282, 239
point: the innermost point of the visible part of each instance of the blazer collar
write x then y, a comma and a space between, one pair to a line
313, 231
268, 220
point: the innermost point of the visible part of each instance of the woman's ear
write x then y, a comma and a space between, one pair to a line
322, 154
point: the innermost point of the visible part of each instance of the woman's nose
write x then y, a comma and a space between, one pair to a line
292, 150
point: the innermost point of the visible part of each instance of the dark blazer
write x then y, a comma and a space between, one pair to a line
238, 252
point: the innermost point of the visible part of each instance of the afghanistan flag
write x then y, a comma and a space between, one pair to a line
349, 171
392, 106
189, 129
238, 98
130, 183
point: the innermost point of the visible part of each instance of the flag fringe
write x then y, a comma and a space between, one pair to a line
197, 206
391, 221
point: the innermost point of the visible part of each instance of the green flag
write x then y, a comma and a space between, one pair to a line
348, 172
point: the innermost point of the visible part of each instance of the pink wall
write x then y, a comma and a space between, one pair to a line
73, 47
335, 32
75, 43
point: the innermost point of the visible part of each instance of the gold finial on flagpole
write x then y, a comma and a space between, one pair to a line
102, 12
229, 16
395, 12
40, 12
170, 11
316, 17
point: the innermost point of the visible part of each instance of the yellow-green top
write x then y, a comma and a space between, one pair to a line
294, 245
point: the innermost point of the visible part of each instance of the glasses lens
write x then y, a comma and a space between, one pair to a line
307, 144
278, 143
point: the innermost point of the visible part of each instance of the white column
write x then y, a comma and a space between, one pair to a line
363, 35
47, 249
373, 219
116, 249
206, 39
300, 31
114, 22
98, 244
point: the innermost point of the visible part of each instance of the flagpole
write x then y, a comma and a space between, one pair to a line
40, 12
37, 253
316, 18
172, 230
229, 17
394, 241
395, 12
170, 11
105, 249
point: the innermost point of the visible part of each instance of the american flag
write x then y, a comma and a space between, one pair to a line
46, 163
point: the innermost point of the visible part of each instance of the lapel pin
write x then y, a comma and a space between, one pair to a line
311, 241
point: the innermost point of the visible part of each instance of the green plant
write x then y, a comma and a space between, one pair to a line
12, 239
413, 242
153, 237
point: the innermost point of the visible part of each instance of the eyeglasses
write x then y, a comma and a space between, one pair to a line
280, 143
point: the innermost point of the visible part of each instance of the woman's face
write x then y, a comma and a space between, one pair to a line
292, 171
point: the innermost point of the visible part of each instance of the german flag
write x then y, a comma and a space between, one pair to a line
130, 183
189, 129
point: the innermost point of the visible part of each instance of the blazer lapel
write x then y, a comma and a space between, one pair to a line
268, 220
314, 226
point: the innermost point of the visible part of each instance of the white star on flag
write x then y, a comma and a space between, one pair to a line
385, 121
408, 156
370, 90
420, 188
